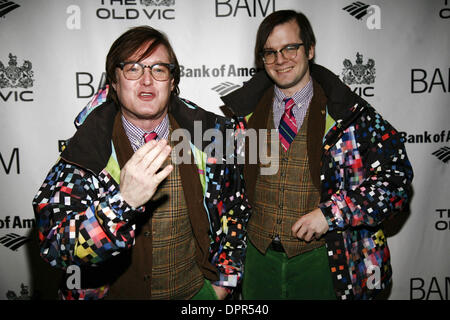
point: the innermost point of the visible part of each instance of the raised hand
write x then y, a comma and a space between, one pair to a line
140, 177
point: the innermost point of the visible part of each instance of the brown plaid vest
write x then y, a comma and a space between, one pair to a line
175, 273
162, 264
281, 199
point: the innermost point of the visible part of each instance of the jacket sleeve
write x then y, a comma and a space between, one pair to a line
372, 168
81, 218
229, 213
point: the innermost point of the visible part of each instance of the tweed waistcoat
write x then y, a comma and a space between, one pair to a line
281, 199
162, 263
175, 274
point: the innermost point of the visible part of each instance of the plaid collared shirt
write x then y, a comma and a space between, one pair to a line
136, 135
302, 100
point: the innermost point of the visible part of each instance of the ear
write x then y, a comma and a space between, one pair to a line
311, 52
172, 86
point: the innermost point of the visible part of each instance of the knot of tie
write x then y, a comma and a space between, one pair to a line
150, 136
288, 104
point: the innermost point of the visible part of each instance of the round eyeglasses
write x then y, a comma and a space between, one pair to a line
288, 52
134, 70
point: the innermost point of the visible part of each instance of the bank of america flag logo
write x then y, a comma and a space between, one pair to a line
13, 241
225, 87
7, 6
443, 154
357, 9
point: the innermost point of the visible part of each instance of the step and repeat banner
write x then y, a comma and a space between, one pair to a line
395, 54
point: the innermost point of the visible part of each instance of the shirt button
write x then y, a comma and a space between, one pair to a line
279, 220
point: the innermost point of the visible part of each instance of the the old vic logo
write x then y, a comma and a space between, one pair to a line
134, 9
16, 77
360, 75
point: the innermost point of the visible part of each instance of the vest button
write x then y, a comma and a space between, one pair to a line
146, 277
147, 234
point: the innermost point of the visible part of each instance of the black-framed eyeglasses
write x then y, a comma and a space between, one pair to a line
288, 52
134, 70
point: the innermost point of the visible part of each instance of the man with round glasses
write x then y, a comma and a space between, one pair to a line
117, 207
315, 230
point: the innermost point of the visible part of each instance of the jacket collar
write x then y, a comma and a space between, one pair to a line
340, 98
90, 147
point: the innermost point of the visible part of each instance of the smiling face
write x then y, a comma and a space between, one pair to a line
290, 75
145, 101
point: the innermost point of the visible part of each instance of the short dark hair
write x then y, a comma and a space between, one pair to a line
279, 17
127, 45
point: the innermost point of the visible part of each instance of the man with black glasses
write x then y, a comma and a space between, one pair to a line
118, 207
315, 229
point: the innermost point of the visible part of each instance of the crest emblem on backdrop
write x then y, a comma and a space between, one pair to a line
14, 76
166, 3
358, 73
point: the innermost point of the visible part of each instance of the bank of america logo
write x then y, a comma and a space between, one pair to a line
443, 154
357, 9
7, 6
225, 87
13, 241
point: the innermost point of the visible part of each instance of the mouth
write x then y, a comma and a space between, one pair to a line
146, 95
284, 70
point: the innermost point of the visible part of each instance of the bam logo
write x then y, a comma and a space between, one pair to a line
7, 6
359, 10
359, 74
14, 154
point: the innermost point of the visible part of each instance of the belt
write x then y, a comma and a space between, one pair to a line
276, 245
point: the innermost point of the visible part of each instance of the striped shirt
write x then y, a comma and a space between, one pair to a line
301, 98
136, 135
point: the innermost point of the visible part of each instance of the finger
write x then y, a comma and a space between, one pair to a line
309, 236
156, 164
302, 232
296, 227
142, 151
160, 176
152, 153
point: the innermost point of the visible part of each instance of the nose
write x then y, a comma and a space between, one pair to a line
147, 78
279, 57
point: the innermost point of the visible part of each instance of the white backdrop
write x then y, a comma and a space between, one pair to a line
52, 56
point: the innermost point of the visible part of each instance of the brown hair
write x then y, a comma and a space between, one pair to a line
127, 45
279, 17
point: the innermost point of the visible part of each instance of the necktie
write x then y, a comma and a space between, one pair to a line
288, 126
150, 136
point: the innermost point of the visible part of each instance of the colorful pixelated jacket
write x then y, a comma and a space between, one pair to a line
361, 169
84, 221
